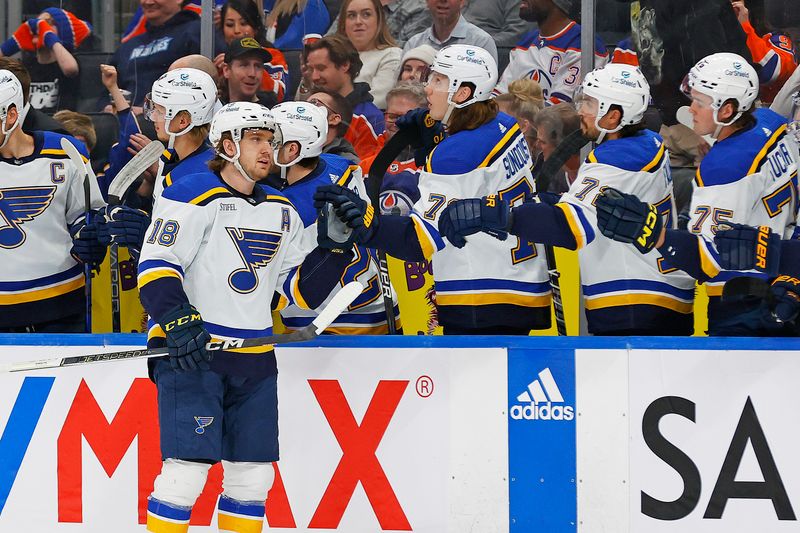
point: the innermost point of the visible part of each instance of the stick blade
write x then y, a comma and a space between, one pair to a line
133, 169
73, 154
338, 304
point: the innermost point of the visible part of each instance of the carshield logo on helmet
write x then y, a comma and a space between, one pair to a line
301, 110
184, 76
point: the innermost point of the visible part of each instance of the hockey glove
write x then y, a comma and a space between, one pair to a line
743, 247
127, 227
624, 218
21, 40
425, 131
186, 338
89, 241
785, 299
466, 217
332, 233
349, 208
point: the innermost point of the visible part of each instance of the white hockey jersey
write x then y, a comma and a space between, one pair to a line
40, 196
624, 289
554, 61
230, 253
366, 315
748, 178
488, 282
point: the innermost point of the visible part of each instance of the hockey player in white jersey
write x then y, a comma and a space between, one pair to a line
44, 236
748, 177
304, 167
493, 287
625, 292
550, 54
219, 247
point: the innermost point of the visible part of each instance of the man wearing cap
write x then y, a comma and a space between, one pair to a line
243, 71
551, 54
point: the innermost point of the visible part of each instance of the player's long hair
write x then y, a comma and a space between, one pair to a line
473, 116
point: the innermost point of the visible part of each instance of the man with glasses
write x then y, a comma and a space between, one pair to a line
340, 114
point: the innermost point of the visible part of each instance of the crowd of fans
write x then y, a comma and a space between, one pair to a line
366, 62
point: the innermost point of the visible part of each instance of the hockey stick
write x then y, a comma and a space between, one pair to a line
77, 161
569, 146
116, 194
335, 307
377, 171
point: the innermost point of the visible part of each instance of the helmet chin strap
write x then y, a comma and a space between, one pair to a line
283, 166
235, 161
721, 125
603, 131
7, 133
172, 136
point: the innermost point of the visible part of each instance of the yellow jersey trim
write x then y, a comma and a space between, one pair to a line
708, 265
500, 145
42, 294
208, 194
763, 152
493, 299
574, 224
147, 277
425, 241
655, 160
658, 300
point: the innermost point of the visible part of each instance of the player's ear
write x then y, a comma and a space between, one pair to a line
229, 147
11, 117
726, 111
462, 94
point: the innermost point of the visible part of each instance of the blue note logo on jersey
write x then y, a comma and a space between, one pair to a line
256, 248
20, 205
202, 423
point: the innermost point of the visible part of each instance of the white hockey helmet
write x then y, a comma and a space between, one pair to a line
617, 84
463, 63
185, 89
10, 94
794, 119
235, 118
303, 123
724, 76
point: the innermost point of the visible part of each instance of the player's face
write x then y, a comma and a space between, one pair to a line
256, 153
235, 26
155, 113
324, 73
436, 91
702, 113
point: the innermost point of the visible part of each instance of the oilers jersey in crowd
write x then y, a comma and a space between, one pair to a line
553, 61
228, 252
40, 196
775, 54
748, 178
366, 315
488, 282
171, 168
622, 288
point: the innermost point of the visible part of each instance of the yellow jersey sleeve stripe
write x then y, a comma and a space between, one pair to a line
298, 298
698, 179
591, 157
500, 145
715, 289
279, 199
494, 299
425, 240
428, 160
766, 148
208, 194
707, 262
345, 177
59, 151
148, 277
656, 160
574, 224
658, 300
283, 301
168, 179
41, 294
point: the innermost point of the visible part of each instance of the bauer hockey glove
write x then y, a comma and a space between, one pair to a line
127, 227
349, 208
89, 241
466, 217
425, 131
186, 338
743, 247
785, 299
21, 40
624, 218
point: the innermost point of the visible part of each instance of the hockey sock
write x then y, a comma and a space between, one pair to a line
239, 517
165, 517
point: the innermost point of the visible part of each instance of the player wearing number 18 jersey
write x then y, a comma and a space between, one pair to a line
625, 293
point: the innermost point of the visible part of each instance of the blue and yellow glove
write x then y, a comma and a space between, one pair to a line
466, 217
743, 247
186, 338
349, 208
624, 218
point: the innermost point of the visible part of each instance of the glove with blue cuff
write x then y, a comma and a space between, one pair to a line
466, 217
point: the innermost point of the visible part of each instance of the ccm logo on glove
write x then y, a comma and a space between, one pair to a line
649, 226
181, 321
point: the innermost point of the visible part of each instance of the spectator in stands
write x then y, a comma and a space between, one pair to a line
170, 33
241, 18
775, 52
79, 126
500, 18
47, 44
199, 62
35, 120
416, 64
242, 72
333, 64
523, 101
553, 124
364, 24
450, 27
289, 20
340, 114
557, 41
138, 22
405, 19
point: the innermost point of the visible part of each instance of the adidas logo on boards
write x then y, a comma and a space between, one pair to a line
537, 403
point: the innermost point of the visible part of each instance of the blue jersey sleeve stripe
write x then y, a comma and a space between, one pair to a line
237, 333
158, 263
6, 286
637, 285
489, 284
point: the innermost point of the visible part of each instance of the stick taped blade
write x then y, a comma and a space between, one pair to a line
340, 302
134, 168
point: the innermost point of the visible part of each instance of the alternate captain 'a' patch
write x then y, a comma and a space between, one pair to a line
256, 248
20, 205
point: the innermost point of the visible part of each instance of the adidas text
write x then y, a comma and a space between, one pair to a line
545, 411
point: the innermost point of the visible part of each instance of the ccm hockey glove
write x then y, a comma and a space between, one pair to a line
186, 338
350, 208
624, 218
466, 217
743, 247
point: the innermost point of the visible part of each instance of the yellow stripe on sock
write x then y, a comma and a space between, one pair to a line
236, 524
157, 524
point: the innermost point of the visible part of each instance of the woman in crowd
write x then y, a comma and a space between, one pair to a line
363, 22
416, 64
523, 101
